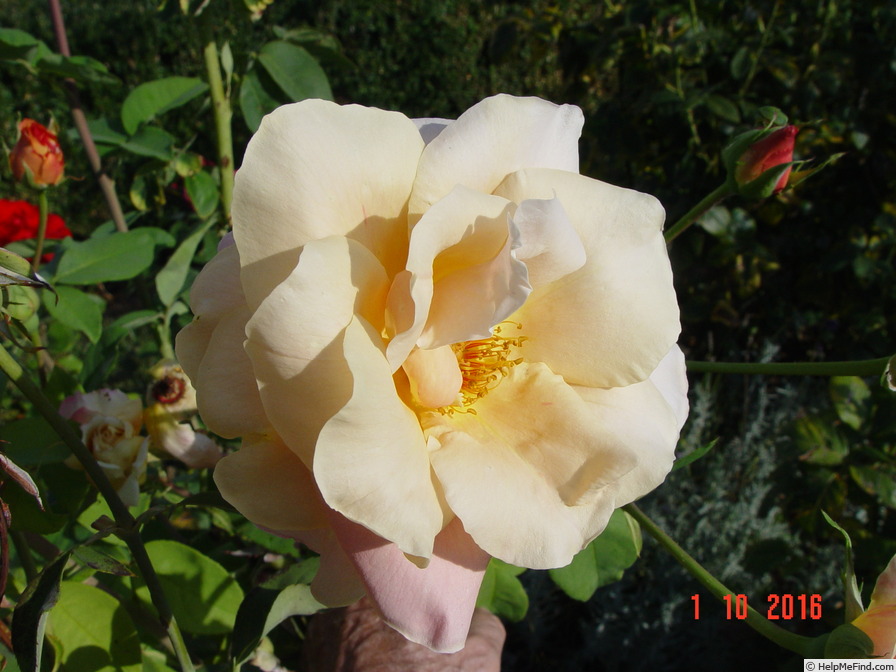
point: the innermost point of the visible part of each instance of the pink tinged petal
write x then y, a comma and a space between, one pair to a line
434, 376
612, 321
370, 462
533, 474
492, 139
84, 407
460, 249
879, 623
271, 487
670, 378
431, 606
550, 245
194, 449
316, 169
885, 589
295, 337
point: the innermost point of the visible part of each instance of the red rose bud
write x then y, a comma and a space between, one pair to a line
37, 154
773, 151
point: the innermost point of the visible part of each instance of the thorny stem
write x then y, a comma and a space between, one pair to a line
223, 117
755, 620
41, 229
127, 527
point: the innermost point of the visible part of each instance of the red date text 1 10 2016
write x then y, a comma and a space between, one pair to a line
778, 607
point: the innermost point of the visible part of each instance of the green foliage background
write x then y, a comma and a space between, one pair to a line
805, 276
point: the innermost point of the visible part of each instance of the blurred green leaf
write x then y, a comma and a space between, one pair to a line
850, 395
603, 561
203, 596
152, 142
151, 99
77, 310
255, 100
172, 277
295, 71
94, 631
264, 609
502, 593
29, 621
878, 481
120, 256
203, 192
101, 562
31, 442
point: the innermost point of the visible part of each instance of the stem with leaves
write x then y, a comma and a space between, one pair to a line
126, 526
780, 636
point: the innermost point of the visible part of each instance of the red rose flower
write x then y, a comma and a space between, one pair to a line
19, 221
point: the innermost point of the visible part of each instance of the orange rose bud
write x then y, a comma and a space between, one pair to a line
773, 150
38, 154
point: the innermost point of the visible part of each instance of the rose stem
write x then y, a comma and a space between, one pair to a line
780, 636
127, 529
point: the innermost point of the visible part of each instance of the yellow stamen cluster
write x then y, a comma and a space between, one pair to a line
483, 363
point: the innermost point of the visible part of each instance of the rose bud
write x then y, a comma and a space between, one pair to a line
37, 154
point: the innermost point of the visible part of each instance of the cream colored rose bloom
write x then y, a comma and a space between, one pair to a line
435, 351
110, 424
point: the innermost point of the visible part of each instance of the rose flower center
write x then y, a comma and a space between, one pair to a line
483, 363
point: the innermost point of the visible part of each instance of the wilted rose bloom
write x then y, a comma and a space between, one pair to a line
456, 347
19, 220
110, 424
773, 150
879, 619
37, 154
170, 400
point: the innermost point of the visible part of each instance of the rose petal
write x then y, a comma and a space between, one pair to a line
492, 139
670, 379
374, 439
533, 475
270, 486
879, 623
611, 322
295, 337
463, 244
337, 582
431, 606
549, 245
430, 127
434, 376
316, 169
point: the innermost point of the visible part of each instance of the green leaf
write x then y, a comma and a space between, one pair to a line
850, 395
77, 310
878, 481
819, 442
79, 68
694, 455
101, 562
264, 609
105, 133
172, 277
603, 561
31, 442
29, 621
16, 44
723, 108
851, 592
120, 256
502, 593
295, 71
126, 324
848, 641
154, 98
94, 631
152, 142
255, 101
203, 596
203, 192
